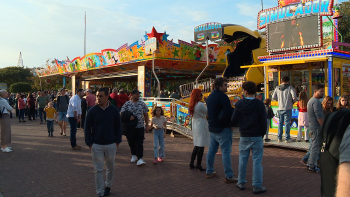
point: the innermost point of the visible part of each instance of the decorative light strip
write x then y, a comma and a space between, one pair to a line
296, 55
342, 54
340, 51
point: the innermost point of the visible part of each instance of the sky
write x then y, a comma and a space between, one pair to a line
47, 29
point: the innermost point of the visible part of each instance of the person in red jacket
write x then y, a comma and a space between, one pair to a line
22, 108
115, 97
123, 97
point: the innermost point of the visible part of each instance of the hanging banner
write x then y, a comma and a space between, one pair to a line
141, 79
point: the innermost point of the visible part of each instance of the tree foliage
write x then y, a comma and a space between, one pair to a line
344, 23
14, 74
20, 87
56, 83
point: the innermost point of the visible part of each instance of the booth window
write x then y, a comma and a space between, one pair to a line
317, 74
299, 79
337, 79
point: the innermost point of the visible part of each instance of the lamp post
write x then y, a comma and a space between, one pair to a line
206, 43
153, 71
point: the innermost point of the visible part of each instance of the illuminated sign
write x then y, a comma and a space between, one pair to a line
151, 45
210, 31
294, 34
311, 7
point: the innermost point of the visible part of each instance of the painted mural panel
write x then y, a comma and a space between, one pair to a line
346, 78
183, 116
294, 120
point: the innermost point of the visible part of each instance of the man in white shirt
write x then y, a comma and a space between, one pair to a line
74, 117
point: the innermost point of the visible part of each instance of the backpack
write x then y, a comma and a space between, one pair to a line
112, 101
333, 129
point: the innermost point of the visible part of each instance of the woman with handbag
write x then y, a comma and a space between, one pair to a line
200, 129
5, 110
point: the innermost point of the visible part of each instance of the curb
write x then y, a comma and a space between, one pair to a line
283, 147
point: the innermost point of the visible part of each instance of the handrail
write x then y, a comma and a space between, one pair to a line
205, 66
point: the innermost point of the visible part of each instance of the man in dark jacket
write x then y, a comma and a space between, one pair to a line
251, 116
103, 135
220, 112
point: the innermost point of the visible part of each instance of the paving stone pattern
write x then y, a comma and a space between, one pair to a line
43, 166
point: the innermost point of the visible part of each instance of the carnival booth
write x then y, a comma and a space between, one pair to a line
153, 63
303, 44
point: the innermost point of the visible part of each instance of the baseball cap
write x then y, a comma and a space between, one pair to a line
135, 92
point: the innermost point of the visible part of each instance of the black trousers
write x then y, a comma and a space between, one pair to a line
135, 139
31, 113
197, 152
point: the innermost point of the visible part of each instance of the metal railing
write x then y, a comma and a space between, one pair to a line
174, 120
206, 85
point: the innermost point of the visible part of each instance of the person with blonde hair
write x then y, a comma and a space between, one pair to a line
343, 103
50, 117
303, 118
5, 110
328, 105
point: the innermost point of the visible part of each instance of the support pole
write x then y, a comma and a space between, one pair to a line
265, 84
73, 85
341, 37
85, 36
205, 66
154, 73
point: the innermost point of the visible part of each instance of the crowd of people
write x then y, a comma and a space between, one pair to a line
107, 114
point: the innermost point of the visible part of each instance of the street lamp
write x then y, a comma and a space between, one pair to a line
201, 43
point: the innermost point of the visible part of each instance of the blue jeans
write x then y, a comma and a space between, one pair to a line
284, 117
49, 124
158, 136
256, 145
41, 112
224, 139
73, 131
62, 116
21, 114
307, 155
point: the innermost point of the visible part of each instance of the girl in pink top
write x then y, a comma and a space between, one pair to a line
158, 123
303, 118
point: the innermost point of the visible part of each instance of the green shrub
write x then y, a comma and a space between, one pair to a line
20, 87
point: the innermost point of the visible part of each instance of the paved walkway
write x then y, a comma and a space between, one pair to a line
43, 166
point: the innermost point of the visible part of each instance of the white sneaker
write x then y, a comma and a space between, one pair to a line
7, 147
133, 159
6, 150
140, 162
